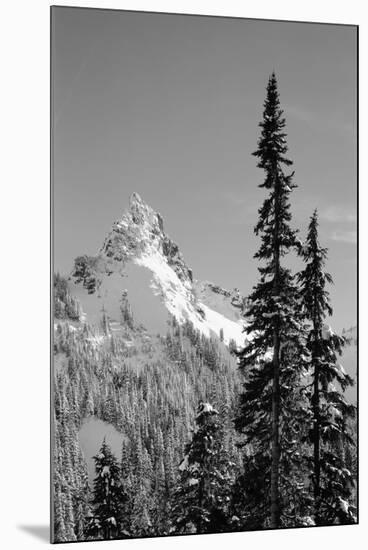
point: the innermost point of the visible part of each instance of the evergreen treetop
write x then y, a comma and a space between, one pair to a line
201, 498
108, 495
274, 356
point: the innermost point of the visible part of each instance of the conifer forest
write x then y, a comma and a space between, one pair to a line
233, 417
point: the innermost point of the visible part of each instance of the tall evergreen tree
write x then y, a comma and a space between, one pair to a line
329, 433
274, 355
200, 501
108, 496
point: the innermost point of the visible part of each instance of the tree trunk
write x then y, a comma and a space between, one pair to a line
316, 438
275, 456
275, 505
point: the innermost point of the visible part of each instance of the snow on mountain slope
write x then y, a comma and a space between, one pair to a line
178, 299
232, 330
139, 239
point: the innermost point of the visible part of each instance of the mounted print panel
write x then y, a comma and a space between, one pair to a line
204, 178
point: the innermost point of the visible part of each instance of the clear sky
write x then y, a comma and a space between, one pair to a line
169, 105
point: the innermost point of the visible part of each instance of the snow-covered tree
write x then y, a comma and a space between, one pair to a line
108, 496
142, 504
201, 499
60, 534
274, 356
126, 310
153, 407
329, 432
65, 306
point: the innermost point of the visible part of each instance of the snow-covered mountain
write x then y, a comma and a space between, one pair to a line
140, 264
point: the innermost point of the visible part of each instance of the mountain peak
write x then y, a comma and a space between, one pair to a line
140, 212
139, 239
137, 203
135, 198
140, 232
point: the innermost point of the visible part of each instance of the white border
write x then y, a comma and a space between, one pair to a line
24, 219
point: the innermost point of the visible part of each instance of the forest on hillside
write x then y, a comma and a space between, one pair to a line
214, 438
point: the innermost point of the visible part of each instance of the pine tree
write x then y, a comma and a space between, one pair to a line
273, 357
108, 496
141, 524
201, 497
65, 306
69, 516
141, 506
59, 524
105, 324
126, 310
329, 433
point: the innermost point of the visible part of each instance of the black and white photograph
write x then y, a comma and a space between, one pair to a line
204, 211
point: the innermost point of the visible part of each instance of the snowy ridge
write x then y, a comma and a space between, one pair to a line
179, 300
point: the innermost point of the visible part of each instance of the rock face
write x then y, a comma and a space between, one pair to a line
139, 238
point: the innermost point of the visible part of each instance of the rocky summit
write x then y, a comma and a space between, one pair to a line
138, 240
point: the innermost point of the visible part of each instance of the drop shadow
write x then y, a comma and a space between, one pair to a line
41, 532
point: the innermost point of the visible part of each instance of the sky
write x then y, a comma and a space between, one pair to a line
168, 106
